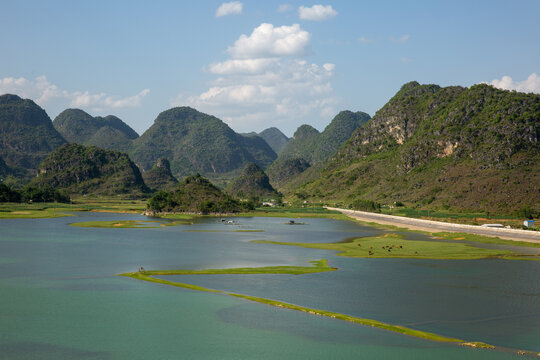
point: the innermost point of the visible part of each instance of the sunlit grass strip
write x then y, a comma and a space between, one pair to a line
354, 319
394, 246
144, 277
318, 266
482, 239
32, 214
127, 224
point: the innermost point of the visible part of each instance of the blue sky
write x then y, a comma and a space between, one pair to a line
256, 64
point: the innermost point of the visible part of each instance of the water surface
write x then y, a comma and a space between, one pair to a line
61, 298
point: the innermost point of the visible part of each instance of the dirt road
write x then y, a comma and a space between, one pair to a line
437, 226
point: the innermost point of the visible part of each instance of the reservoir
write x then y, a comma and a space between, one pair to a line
62, 299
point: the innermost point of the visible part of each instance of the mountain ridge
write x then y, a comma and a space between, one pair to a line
463, 148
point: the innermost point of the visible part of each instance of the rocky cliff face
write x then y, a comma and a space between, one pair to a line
424, 122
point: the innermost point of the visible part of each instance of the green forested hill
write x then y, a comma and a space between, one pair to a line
310, 147
160, 176
197, 142
275, 138
107, 132
26, 134
464, 148
251, 182
83, 170
196, 195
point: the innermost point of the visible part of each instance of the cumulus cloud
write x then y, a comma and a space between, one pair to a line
316, 12
268, 41
241, 66
229, 8
287, 90
531, 84
266, 82
42, 92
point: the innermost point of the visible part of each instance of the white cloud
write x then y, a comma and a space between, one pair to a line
265, 82
229, 8
406, 60
401, 39
531, 84
43, 92
284, 8
364, 40
286, 92
316, 12
241, 66
268, 41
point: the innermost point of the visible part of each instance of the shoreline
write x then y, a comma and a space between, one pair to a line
439, 226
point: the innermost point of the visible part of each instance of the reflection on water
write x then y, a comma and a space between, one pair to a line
61, 297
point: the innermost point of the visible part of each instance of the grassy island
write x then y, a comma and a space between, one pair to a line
128, 224
395, 246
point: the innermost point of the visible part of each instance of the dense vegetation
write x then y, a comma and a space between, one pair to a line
26, 134
460, 148
197, 142
308, 146
196, 195
32, 194
4, 169
275, 138
106, 132
83, 169
160, 176
252, 182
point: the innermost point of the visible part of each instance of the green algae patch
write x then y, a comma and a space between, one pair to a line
123, 224
395, 246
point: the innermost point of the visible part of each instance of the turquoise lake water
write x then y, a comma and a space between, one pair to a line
61, 299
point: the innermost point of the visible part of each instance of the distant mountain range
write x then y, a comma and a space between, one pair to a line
432, 147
